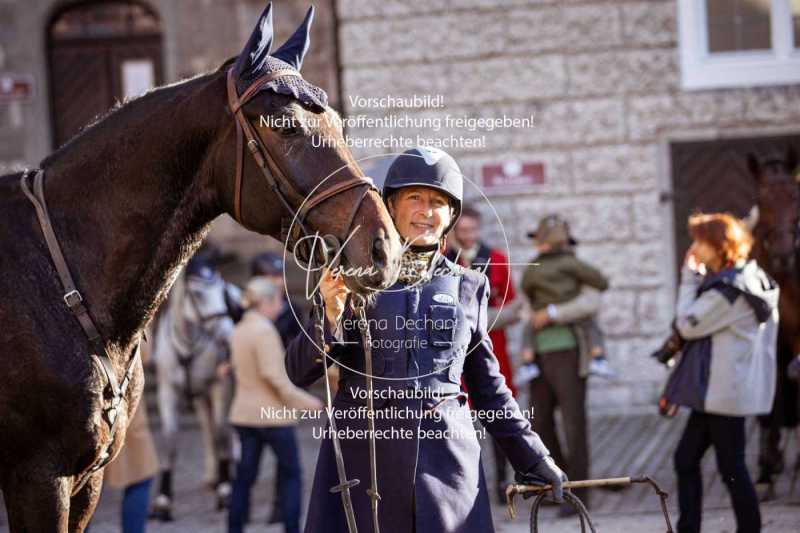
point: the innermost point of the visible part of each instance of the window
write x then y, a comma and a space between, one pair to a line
739, 43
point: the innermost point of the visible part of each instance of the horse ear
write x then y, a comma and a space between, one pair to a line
257, 48
754, 166
294, 49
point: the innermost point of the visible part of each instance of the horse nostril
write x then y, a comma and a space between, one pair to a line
378, 253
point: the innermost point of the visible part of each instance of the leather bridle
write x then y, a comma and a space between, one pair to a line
275, 176
114, 391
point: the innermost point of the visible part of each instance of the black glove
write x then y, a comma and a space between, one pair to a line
546, 472
793, 370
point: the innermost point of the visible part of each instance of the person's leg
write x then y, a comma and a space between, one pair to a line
728, 437
134, 506
284, 444
276, 515
691, 448
246, 475
543, 402
570, 390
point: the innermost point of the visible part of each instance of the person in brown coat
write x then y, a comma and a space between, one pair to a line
266, 405
135, 466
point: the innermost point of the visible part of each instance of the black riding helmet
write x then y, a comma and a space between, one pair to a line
427, 167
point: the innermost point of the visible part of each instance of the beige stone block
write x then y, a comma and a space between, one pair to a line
649, 23
655, 310
632, 265
593, 219
773, 104
730, 106
648, 218
617, 312
471, 34
650, 117
580, 122
615, 168
357, 9
623, 72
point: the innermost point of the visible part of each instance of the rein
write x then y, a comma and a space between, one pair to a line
275, 177
276, 180
74, 301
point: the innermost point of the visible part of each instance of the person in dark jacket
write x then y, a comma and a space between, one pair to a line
727, 315
428, 331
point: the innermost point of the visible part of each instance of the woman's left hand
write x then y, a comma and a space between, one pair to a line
692, 263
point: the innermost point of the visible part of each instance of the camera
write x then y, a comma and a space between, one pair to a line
667, 352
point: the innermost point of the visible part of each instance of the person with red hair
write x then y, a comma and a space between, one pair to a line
727, 318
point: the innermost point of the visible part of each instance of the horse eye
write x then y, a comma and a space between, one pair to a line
288, 131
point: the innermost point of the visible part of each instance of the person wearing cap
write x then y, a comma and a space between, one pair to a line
266, 406
557, 277
428, 332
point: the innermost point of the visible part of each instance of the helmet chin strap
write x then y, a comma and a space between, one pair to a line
423, 248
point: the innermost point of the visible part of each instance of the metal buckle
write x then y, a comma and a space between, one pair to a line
73, 298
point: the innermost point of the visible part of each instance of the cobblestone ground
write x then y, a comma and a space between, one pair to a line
194, 512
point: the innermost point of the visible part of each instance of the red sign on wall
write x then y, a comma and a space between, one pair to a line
512, 174
15, 87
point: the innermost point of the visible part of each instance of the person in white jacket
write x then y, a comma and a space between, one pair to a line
727, 315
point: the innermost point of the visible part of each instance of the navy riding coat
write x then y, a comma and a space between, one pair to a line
425, 339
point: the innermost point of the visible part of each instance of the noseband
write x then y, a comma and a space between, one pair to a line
275, 176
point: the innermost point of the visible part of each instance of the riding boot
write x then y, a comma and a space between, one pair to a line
162, 506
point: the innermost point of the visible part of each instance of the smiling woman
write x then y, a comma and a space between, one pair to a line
426, 336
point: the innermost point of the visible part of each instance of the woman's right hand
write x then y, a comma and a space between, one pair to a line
334, 293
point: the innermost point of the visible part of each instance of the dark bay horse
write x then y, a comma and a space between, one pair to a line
131, 199
776, 247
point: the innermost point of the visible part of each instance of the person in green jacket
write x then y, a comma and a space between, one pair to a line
557, 277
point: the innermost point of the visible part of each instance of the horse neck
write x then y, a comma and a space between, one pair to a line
131, 199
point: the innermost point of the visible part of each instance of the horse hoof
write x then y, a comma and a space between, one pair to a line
765, 491
223, 496
276, 517
162, 509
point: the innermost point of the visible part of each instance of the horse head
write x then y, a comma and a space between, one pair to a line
776, 231
297, 180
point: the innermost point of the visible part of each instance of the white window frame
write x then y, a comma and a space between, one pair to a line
703, 70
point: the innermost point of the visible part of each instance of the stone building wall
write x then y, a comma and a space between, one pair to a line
602, 79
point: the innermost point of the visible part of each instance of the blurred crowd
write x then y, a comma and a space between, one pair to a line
722, 354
